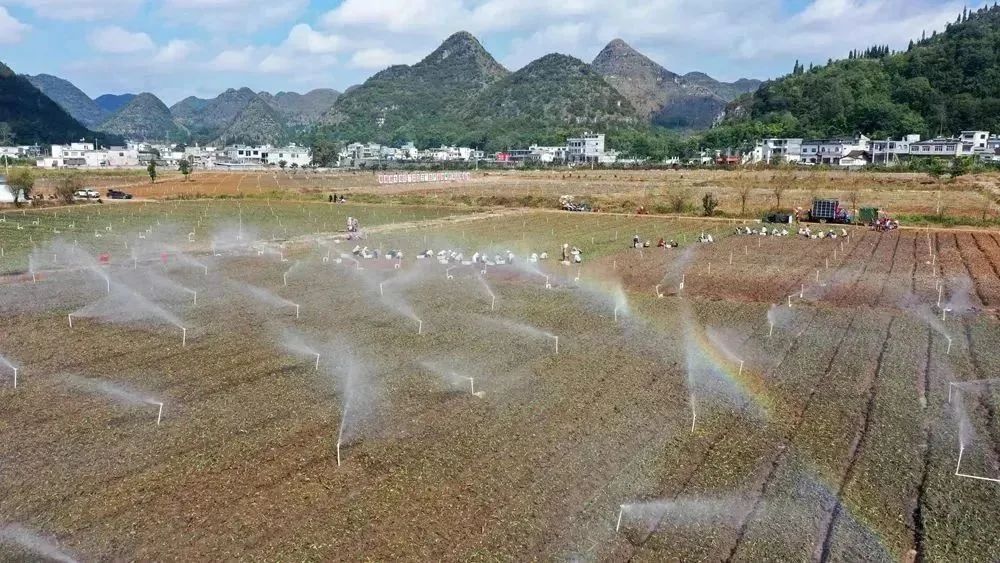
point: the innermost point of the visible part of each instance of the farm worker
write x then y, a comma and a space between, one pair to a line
565, 251
350, 224
660, 243
332, 198
342, 200
635, 241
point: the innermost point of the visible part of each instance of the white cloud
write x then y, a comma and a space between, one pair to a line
304, 39
234, 60
233, 15
11, 30
378, 58
175, 51
114, 39
682, 34
86, 10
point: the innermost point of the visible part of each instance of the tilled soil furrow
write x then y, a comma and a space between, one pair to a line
857, 446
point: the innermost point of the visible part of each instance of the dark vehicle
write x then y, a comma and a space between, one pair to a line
780, 217
118, 194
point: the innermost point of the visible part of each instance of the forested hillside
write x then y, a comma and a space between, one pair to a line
942, 84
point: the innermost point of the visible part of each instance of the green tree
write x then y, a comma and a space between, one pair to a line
184, 166
936, 168
708, 204
6, 134
324, 150
282, 164
960, 166
67, 186
151, 170
21, 182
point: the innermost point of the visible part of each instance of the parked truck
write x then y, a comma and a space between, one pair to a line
829, 211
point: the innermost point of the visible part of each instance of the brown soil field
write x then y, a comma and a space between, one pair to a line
970, 198
833, 436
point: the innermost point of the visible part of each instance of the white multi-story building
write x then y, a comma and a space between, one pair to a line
774, 151
589, 149
974, 142
942, 147
548, 154
267, 155
889, 151
831, 151
121, 156
291, 154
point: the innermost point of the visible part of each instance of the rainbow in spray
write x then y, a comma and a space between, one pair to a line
713, 366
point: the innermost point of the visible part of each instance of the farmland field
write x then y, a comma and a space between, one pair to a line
749, 399
966, 200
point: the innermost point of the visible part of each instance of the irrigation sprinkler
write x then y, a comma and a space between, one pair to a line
802, 291
770, 332
746, 250
789, 300
681, 287
493, 302
70, 317
420, 326
447, 273
940, 291
741, 369
621, 509
34, 279
658, 294
828, 262
15, 376
159, 414
614, 264
709, 268
317, 362
338, 453
184, 337
380, 291
730, 257
547, 284
817, 276
556, 338
948, 351
961, 450
296, 310
108, 280
951, 384
944, 313
694, 415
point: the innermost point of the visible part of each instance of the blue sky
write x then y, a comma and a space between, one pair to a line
176, 48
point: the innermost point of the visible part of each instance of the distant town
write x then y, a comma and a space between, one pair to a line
587, 149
